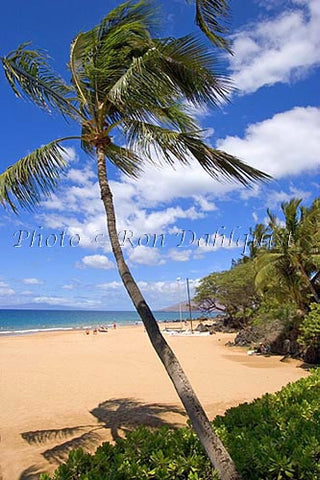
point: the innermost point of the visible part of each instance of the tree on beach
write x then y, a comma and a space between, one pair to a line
293, 260
129, 86
232, 292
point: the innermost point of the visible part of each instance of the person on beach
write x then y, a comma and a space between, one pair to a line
261, 348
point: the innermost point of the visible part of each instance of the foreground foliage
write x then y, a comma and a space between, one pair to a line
276, 437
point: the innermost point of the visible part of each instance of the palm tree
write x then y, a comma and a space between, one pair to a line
294, 256
123, 80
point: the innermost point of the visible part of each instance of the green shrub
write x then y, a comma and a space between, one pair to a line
276, 437
163, 454
310, 328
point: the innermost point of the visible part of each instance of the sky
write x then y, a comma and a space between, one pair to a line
173, 223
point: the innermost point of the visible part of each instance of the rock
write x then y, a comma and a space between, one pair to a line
312, 355
202, 328
247, 336
281, 339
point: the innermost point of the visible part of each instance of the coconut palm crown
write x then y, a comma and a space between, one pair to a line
293, 260
126, 82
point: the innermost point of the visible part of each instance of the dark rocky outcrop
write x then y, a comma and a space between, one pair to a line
281, 338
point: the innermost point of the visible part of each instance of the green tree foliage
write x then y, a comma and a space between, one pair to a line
286, 269
232, 291
279, 278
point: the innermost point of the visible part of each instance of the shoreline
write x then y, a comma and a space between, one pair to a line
33, 331
61, 390
64, 320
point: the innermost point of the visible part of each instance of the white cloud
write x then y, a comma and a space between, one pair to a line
145, 256
158, 294
70, 154
205, 204
255, 217
80, 176
97, 261
253, 192
180, 255
167, 288
68, 286
223, 239
163, 185
283, 145
70, 302
111, 285
286, 144
4, 292
208, 132
279, 49
80, 211
3, 285
141, 221
32, 281
274, 197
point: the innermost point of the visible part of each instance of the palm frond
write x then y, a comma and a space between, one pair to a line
167, 70
176, 116
126, 160
86, 145
32, 176
29, 75
139, 85
211, 17
184, 147
194, 70
290, 211
79, 55
142, 12
219, 163
107, 57
266, 269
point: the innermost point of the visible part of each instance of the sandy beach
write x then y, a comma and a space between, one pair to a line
67, 389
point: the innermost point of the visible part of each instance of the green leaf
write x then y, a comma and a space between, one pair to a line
29, 74
210, 17
184, 147
32, 176
126, 160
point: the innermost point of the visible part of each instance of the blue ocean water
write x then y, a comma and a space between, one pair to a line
15, 322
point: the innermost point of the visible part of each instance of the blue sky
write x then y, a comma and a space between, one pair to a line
60, 255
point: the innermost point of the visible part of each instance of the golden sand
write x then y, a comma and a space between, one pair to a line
67, 389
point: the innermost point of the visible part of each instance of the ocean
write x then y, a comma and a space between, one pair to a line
20, 322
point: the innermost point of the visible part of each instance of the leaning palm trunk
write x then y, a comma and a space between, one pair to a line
216, 452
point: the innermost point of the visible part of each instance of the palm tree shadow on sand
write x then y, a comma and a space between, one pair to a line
118, 416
